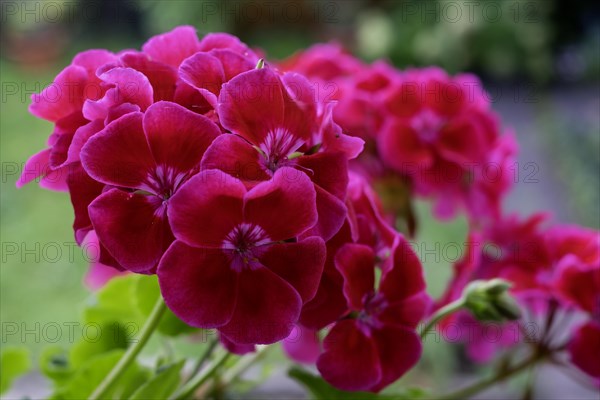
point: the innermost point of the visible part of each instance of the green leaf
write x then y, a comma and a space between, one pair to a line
87, 377
114, 303
14, 361
105, 338
322, 390
55, 364
162, 385
146, 292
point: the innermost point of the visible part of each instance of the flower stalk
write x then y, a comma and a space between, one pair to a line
132, 352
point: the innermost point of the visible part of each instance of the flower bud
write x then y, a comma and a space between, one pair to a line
490, 301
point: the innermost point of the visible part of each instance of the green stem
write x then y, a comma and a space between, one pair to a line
205, 356
187, 391
132, 351
500, 376
241, 366
441, 314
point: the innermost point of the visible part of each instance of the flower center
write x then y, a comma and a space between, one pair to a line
428, 125
164, 181
244, 244
278, 145
373, 306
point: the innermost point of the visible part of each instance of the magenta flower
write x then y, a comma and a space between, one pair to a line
365, 224
145, 158
277, 123
238, 264
578, 284
61, 103
376, 343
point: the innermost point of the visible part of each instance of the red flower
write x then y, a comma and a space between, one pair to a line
376, 343
238, 264
145, 158
277, 123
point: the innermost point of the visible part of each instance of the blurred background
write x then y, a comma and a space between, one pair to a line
540, 60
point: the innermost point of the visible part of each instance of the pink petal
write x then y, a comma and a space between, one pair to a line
236, 157
173, 47
198, 285
404, 277
83, 190
93, 59
119, 154
328, 170
205, 73
118, 111
162, 77
300, 264
133, 228
222, 41
284, 207
64, 131
234, 63
80, 138
178, 137
192, 99
585, 347
98, 274
350, 361
356, 263
302, 345
127, 86
63, 97
251, 104
332, 213
401, 148
266, 311
35, 166
329, 303
207, 208
399, 350
408, 312
235, 348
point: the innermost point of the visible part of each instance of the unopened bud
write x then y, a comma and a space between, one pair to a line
490, 301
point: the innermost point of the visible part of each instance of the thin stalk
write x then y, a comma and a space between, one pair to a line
441, 314
205, 356
236, 370
500, 376
132, 351
187, 391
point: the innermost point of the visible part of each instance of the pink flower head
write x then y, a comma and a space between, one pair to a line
144, 158
440, 134
376, 343
324, 62
276, 122
238, 264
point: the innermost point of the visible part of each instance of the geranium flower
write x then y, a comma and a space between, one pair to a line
145, 157
578, 284
238, 264
376, 343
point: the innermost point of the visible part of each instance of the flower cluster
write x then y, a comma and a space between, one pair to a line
243, 185
554, 271
434, 131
